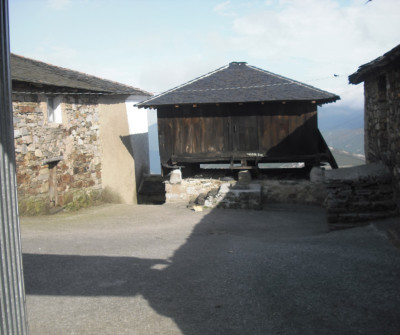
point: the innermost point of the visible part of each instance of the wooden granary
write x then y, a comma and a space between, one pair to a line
241, 115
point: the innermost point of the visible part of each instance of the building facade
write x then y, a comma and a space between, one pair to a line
242, 116
381, 79
75, 137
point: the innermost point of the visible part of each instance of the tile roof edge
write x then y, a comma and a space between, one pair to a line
77, 72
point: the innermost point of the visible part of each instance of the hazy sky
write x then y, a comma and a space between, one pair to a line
159, 44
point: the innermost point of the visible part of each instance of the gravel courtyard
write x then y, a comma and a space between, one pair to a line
119, 269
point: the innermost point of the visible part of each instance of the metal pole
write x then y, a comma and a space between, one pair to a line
13, 318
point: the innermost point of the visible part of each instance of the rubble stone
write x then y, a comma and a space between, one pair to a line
382, 121
359, 194
244, 177
69, 147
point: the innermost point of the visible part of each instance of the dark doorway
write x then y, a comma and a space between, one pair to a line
53, 196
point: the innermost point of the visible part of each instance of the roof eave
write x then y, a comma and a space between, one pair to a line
374, 67
145, 104
73, 90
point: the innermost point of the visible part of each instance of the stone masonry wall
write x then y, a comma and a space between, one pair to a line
272, 191
358, 194
71, 147
189, 189
382, 121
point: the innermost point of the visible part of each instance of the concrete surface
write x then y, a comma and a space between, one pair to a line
120, 269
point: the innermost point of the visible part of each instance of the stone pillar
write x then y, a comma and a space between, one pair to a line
12, 294
175, 177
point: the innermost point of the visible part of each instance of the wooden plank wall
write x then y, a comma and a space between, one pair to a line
209, 132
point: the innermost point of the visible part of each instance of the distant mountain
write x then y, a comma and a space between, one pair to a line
347, 159
342, 129
350, 140
334, 118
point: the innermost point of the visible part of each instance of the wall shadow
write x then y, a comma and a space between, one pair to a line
138, 147
207, 287
239, 272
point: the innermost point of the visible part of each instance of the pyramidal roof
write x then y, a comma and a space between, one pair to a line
239, 82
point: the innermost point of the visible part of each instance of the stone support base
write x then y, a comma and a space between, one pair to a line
236, 196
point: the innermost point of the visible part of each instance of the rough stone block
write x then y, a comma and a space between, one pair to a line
234, 197
175, 177
244, 177
317, 175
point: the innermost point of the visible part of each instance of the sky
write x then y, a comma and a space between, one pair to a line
156, 45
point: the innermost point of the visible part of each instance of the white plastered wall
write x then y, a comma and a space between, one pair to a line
124, 142
138, 129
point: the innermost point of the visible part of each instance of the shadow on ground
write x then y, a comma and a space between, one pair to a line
281, 275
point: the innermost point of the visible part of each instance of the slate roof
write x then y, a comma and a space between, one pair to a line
27, 70
374, 66
239, 82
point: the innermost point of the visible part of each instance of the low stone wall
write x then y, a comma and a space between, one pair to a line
232, 194
297, 191
189, 189
358, 194
351, 196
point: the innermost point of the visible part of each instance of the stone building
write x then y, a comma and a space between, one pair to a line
77, 137
381, 79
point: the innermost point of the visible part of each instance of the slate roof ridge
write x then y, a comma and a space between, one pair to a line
78, 73
292, 81
187, 83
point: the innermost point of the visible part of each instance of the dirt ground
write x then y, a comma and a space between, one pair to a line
119, 269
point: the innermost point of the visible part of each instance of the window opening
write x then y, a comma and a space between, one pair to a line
54, 110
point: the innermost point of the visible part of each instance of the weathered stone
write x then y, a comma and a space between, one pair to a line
17, 133
298, 191
358, 194
175, 177
382, 123
200, 200
37, 142
233, 197
317, 175
44, 176
244, 177
375, 171
24, 131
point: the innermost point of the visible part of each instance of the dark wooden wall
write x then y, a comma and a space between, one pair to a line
262, 132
